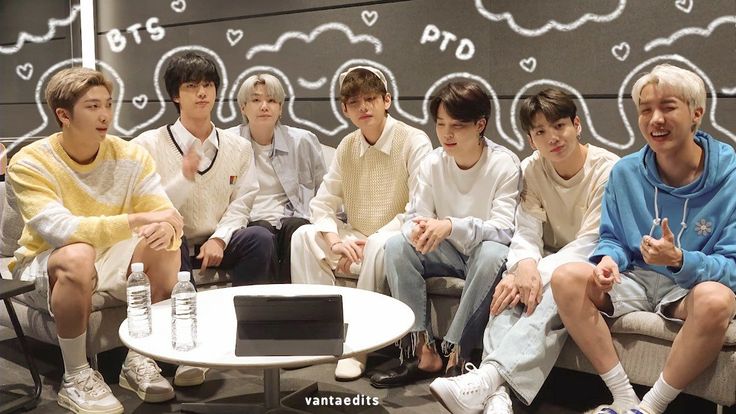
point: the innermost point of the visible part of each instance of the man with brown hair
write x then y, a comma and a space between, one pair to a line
92, 203
372, 177
556, 223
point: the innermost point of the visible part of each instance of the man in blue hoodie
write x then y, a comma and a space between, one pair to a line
667, 244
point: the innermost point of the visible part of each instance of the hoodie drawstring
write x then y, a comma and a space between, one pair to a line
657, 220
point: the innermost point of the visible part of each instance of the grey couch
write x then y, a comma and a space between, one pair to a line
642, 339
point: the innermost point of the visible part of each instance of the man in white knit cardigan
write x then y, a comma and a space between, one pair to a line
210, 177
372, 176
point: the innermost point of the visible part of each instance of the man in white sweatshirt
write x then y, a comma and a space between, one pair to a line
210, 177
556, 223
459, 223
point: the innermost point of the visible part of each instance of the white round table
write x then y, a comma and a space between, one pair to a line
374, 321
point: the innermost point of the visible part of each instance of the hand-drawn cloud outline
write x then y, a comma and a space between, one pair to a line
687, 31
313, 35
552, 24
27, 37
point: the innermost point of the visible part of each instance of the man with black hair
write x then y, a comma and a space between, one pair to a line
210, 176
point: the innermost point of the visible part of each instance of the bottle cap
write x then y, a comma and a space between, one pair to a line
136, 267
183, 276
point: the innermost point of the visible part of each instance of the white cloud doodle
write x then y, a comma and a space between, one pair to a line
313, 85
275, 47
708, 83
552, 24
689, 31
729, 91
27, 37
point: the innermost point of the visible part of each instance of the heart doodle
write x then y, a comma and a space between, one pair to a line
179, 6
684, 5
24, 71
140, 101
234, 36
621, 51
369, 17
528, 64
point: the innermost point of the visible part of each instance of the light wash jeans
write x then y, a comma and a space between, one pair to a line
407, 269
525, 348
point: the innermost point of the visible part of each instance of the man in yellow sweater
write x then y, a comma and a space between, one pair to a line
92, 204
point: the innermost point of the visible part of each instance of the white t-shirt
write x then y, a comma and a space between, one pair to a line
271, 199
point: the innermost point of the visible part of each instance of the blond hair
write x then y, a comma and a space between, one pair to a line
68, 85
686, 85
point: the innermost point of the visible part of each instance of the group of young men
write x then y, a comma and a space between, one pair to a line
568, 236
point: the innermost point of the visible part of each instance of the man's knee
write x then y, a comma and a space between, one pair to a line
73, 264
570, 278
492, 254
396, 248
713, 306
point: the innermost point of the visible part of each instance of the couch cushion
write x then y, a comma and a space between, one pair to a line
651, 324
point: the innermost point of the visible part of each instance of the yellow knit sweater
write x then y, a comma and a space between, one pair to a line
64, 202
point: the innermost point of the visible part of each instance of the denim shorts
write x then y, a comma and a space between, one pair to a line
645, 290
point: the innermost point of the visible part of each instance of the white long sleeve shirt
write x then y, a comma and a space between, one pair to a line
557, 215
480, 201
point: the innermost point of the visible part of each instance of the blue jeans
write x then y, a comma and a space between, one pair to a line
407, 269
525, 348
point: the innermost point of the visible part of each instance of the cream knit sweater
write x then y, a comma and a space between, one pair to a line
211, 208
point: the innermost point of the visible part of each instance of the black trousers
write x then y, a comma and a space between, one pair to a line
282, 245
249, 255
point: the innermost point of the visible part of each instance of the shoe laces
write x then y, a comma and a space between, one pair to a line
473, 382
91, 382
145, 369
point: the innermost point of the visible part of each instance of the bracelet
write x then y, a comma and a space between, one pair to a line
333, 244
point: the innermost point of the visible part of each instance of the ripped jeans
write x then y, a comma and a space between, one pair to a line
407, 271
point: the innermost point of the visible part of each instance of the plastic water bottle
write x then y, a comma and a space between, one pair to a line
183, 314
139, 302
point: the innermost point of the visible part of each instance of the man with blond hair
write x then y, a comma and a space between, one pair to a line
668, 244
92, 203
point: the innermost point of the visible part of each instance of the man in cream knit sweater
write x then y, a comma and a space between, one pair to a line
210, 176
372, 176
92, 203
556, 223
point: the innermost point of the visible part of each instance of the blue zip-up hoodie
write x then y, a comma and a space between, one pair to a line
702, 215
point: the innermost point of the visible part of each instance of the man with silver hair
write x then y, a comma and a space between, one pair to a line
289, 165
667, 244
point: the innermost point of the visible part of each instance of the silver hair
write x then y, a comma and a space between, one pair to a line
270, 83
686, 85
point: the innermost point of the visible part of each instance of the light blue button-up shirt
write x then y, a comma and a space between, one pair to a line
297, 159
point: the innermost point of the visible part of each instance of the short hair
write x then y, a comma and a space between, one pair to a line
553, 103
687, 85
270, 83
360, 81
465, 101
189, 67
68, 85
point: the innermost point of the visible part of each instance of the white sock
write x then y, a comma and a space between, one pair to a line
618, 383
659, 397
74, 353
494, 377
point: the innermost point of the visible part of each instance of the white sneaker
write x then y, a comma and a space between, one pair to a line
465, 393
350, 369
142, 376
499, 402
187, 376
86, 393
